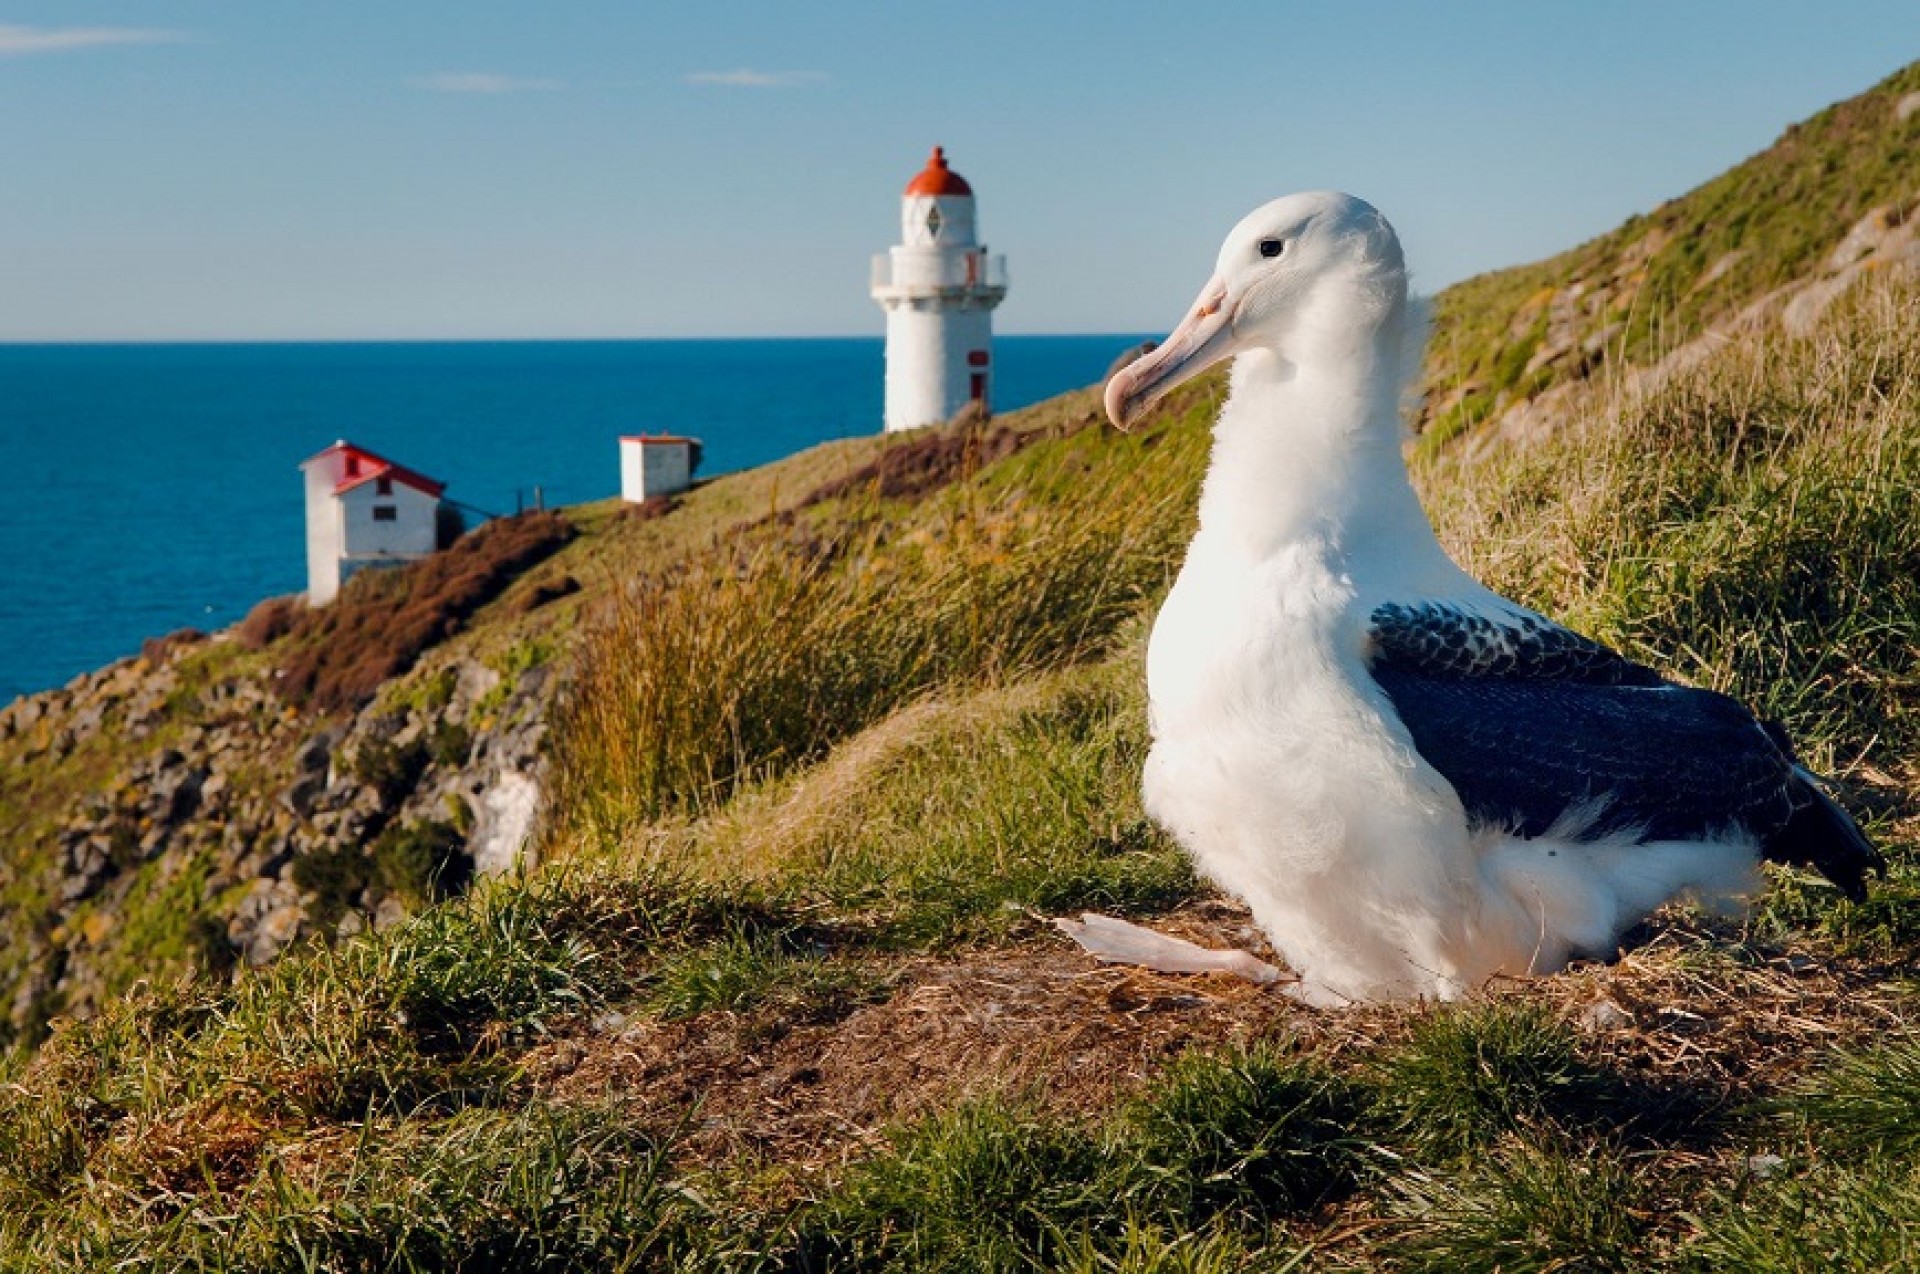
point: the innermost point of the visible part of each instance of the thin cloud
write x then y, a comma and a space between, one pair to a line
488, 82
17, 41
746, 78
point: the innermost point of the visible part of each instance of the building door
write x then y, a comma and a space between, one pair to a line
979, 390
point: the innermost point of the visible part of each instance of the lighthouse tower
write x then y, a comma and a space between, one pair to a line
938, 287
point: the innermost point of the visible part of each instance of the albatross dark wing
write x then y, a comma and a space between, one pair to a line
1531, 723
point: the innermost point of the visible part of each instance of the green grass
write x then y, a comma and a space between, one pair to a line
989, 1186
754, 657
1522, 1211
816, 755
748, 972
1248, 1134
1767, 222
1470, 1075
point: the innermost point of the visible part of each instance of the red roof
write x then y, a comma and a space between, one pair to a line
938, 179
656, 439
363, 466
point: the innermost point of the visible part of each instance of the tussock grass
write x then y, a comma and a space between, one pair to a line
1523, 1211
876, 737
1254, 1133
537, 1190
1748, 525
1863, 1104
988, 1186
761, 653
746, 971
1862, 1219
1471, 1074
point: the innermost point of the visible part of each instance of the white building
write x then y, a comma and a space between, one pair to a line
364, 510
656, 465
938, 287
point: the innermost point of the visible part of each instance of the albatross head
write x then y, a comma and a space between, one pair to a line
1294, 275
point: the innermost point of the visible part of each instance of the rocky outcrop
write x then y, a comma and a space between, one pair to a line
1884, 241
293, 827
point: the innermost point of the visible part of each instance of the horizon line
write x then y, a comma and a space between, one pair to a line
139, 341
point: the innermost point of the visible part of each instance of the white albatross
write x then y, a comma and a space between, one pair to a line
1415, 784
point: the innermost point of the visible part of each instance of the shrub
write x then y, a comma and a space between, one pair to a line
421, 862
390, 768
334, 875
271, 620
156, 649
340, 654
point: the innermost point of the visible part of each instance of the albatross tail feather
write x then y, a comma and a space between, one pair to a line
1823, 836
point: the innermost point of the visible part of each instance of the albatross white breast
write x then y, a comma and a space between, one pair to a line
1413, 782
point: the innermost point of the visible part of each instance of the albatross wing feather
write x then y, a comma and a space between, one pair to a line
1533, 725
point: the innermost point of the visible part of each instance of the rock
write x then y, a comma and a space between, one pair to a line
177, 795
389, 913
88, 863
268, 919
1605, 1015
503, 823
313, 755
304, 796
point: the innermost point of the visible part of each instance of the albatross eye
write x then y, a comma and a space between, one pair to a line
1272, 247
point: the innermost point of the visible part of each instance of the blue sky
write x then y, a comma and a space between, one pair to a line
206, 169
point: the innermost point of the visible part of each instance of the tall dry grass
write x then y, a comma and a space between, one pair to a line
766, 649
1748, 524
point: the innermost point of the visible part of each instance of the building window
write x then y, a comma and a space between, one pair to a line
385, 513
353, 466
383, 485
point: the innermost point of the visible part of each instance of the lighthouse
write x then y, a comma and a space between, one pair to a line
938, 287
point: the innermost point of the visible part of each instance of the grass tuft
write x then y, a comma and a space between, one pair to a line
988, 1186
1471, 1074
1523, 1211
1255, 1132
1862, 1104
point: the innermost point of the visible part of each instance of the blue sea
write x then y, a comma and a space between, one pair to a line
155, 487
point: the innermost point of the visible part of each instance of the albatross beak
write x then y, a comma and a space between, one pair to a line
1203, 338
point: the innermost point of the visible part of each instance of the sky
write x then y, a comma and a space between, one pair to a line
480, 169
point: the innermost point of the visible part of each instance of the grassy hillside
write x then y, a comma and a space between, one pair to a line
825, 744
1661, 280
782, 995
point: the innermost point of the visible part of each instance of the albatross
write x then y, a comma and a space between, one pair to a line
1415, 784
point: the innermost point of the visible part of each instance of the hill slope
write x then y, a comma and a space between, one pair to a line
1773, 239
821, 747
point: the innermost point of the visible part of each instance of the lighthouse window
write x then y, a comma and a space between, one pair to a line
383, 485
933, 222
384, 513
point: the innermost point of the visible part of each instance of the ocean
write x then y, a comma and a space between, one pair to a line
155, 486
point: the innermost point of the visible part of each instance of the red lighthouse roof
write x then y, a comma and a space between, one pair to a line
938, 179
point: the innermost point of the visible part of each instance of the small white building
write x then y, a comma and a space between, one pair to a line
938, 286
364, 510
656, 464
